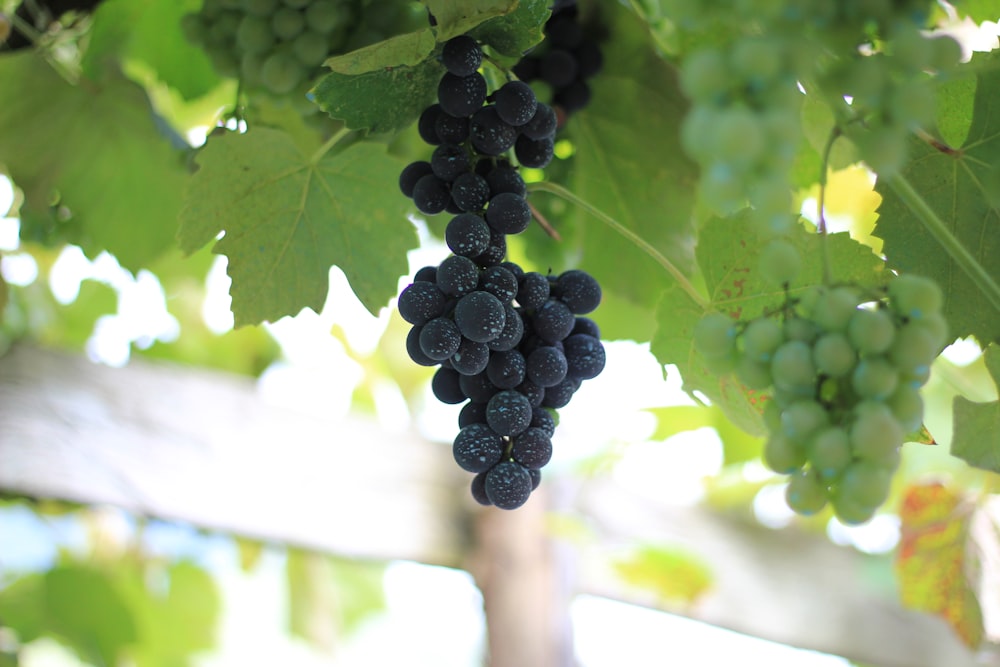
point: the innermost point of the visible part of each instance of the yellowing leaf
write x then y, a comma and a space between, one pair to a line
673, 574
288, 217
934, 558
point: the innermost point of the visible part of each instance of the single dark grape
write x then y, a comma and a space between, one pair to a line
553, 321
440, 338
489, 134
560, 395
430, 194
426, 273
533, 448
427, 124
508, 485
585, 325
533, 292
472, 412
527, 68
508, 213
413, 348
461, 95
515, 103
471, 357
579, 290
535, 154
536, 478
412, 173
470, 191
508, 413
421, 302
445, 386
543, 124
461, 55
573, 97
589, 59
542, 419
478, 387
451, 130
506, 370
495, 253
585, 356
499, 282
477, 448
513, 331
558, 68
457, 276
467, 235
480, 316
478, 489
514, 269
504, 178
547, 366
448, 161
563, 32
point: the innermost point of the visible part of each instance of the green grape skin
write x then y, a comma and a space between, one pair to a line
757, 60
830, 452
792, 368
280, 73
875, 434
324, 15
936, 325
871, 331
801, 329
698, 124
753, 374
833, 355
834, 308
945, 52
865, 483
222, 31
254, 35
875, 378
224, 62
806, 494
907, 407
801, 419
914, 349
715, 336
849, 511
772, 416
706, 76
883, 148
287, 23
250, 68
311, 48
260, 7
782, 455
761, 338
738, 137
780, 262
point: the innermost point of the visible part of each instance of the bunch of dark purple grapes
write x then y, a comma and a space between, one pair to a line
514, 344
569, 57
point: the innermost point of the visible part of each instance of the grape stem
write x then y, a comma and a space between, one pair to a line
821, 204
337, 137
642, 244
543, 223
962, 257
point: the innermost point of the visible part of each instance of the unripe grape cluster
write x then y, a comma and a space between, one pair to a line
277, 47
843, 370
513, 345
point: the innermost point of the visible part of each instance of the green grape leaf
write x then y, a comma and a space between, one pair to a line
148, 31
288, 217
385, 100
958, 184
934, 557
455, 17
675, 575
410, 49
728, 254
976, 439
22, 607
979, 10
513, 34
634, 172
737, 445
85, 608
95, 168
953, 100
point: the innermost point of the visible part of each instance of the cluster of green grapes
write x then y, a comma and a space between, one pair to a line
278, 46
868, 60
843, 368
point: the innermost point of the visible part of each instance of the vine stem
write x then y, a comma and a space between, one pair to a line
642, 244
943, 236
337, 137
821, 205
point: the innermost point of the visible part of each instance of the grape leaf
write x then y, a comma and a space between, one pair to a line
934, 557
979, 10
385, 100
673, 574
737, 446
634, 172
976, 439
94, 151
728, 253
288, 217
410, 49
455, 17
955, 184
513, 34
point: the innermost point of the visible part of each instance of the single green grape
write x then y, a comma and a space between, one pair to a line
254, 34
945, 52
324, 15
802, 329
914, 296
834, 355
780, 262
706, 76
761, 338
311, 48
907, 407
738, 137
280, 73
914, 349
874, 377
250, 68
715, 335
830, 452
753, 374
850, 511
287, 23
871, 331
806, 493
793, 369
875, 435
865, 483
782, 455
222, 32
803, 418
260, 7
834, 307
757, 60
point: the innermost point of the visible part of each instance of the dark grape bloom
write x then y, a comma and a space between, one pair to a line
477, 448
